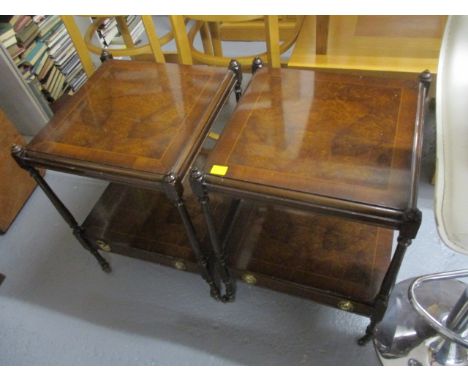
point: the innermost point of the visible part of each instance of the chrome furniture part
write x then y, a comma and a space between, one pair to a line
427, 319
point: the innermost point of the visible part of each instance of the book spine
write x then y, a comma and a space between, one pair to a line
46, 55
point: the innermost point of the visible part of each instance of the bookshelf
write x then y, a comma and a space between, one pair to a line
43, 53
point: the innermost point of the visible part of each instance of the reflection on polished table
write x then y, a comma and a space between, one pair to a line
332, 163
144, 119
139, 125
340, 136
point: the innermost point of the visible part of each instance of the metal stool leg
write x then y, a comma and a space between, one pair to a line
406, 337
17, 153
408, 231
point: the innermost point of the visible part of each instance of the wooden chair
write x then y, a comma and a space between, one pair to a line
379, 43
210, 28
84, 45
255, 30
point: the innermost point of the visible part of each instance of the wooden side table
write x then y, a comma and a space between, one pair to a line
138, 125
334, 161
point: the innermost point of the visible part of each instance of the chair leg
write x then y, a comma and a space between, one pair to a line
408, 231
200, 191
174, 190
79, 232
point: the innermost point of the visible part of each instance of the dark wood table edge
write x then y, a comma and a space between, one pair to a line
377, 215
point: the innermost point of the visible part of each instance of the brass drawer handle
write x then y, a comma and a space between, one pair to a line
346, 305
249, 278
103, 245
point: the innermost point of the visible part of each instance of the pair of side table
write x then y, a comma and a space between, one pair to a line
301, 193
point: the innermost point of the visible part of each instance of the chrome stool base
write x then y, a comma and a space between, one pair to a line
403, 337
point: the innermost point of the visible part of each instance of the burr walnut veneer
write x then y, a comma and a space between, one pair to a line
141, 118
340, 137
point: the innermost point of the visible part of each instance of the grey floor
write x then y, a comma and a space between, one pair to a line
58, 308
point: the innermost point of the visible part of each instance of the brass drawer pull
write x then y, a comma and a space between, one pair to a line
249, 278
103, 245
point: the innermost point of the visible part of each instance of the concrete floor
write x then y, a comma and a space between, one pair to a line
58, 308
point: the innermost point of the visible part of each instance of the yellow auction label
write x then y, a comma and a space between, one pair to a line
213, 135
219, 170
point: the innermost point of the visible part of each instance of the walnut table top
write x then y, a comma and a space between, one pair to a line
135, 117
338, 136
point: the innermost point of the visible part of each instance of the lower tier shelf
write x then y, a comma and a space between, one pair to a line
309, 254
320, 257
143, 224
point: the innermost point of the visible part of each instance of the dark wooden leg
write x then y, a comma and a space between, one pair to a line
408, 231
17, 153
257, 64
174, 190
235, 67
200, 191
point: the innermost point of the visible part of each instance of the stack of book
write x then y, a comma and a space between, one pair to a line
8, 39
110, 36
26, 30
44, 53
25, 52
37, 66
62, 52
107, 31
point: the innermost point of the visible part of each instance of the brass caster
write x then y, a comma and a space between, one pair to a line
364, 340
227, 298
214, 293
105, 266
